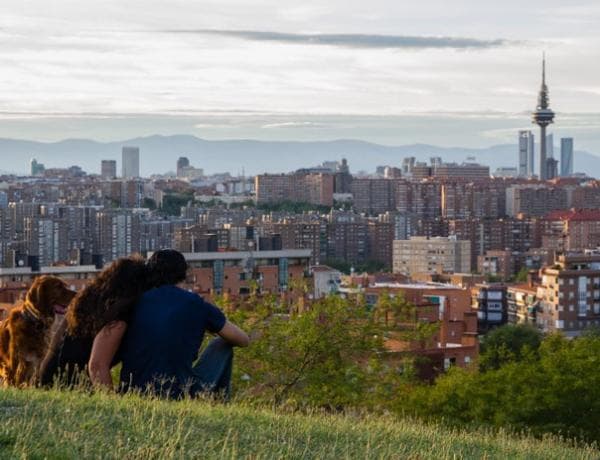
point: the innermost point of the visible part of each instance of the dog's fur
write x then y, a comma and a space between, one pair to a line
25, 334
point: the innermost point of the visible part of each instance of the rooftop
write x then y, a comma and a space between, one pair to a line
575, 215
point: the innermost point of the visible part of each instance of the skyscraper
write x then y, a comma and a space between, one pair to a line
526, 153
37, 169
566, 156
130, 162
550, 145
108, 169
182, 163
543, 116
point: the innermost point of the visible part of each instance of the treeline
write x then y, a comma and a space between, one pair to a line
332, 356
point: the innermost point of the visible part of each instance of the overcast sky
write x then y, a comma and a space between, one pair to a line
460, 72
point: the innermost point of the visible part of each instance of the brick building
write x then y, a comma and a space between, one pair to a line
313, 188
571, 230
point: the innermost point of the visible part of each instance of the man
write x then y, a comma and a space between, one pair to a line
165, 332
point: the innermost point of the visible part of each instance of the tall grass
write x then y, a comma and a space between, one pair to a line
62, 424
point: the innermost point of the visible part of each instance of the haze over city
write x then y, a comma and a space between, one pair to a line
387, 72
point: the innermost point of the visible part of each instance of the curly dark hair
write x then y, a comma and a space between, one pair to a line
166, 266
110, 297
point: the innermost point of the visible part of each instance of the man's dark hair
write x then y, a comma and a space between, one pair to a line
167, 266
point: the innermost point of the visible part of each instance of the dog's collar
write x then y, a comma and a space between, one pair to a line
32, 311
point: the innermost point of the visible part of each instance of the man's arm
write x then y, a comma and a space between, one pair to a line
105, 347
234, 335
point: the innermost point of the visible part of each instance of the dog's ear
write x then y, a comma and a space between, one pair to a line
37, 296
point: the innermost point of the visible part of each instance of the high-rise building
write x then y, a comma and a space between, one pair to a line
543, 116
566, 156
131, 162
37, 169
550, 145
526, 153
407, 165
108, 169
182, 163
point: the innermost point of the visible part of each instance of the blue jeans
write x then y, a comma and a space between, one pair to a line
214, 368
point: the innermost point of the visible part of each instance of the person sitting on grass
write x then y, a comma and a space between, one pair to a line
101, 309
163, 339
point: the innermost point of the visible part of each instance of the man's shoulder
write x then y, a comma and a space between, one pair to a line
173, 293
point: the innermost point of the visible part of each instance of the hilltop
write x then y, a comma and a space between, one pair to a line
54, 424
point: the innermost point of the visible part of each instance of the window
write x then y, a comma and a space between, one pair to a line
582, 295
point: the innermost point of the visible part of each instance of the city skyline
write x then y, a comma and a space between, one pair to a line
390, 73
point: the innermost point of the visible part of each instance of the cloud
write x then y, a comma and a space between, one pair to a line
294, 124
353, 40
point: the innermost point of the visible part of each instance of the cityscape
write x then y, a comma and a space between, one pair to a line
388, 293
493, 236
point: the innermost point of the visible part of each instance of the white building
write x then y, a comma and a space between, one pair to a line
326, 280
421, 254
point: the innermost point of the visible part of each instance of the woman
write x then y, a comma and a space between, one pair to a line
103, 307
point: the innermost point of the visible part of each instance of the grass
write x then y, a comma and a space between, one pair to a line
56, 424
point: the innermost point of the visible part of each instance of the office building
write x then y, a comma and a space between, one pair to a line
526, 153
37, 169
130, 162
108, 169
566, 156
182, 162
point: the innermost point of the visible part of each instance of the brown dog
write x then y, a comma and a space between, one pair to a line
25, 334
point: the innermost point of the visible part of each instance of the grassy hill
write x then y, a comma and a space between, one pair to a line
53, 424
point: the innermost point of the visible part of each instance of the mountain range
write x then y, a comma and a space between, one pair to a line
158, 154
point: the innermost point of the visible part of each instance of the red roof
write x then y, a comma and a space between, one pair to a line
574, 215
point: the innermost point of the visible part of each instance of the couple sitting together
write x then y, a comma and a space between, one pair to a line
135, 314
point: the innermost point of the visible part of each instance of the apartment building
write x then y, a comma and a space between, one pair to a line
234, 272
431, 255
569, 294
313, 188
490, 303
535, 200
571, 230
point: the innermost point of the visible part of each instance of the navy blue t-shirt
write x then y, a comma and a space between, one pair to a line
163, 339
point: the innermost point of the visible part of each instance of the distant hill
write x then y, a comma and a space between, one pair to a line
159, 154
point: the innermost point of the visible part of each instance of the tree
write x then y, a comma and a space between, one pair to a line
173, 202
557, 391
521, 277
508, 344
149, 203
328, 354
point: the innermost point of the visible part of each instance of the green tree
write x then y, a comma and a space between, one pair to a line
521, 277
173, 202
556, 392
508, 344
329, 354
149, 203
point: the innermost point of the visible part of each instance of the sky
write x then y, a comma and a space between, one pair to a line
449, 73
